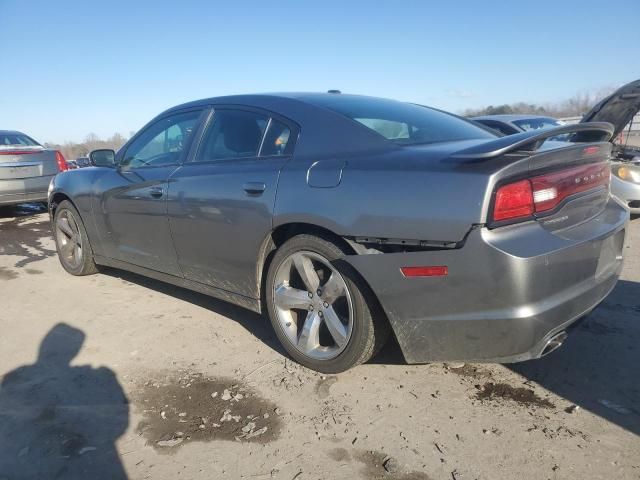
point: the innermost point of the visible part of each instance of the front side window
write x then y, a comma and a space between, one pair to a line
163, 142
232, 134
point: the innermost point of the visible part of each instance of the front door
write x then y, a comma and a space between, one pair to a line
221, 200
131, 202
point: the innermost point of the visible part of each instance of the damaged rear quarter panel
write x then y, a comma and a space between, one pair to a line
400, 194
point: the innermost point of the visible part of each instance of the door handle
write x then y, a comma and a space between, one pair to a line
254, 188
156, 192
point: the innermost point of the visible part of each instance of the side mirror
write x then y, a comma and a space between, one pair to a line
103, 158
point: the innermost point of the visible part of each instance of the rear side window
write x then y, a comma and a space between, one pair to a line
403, 123
13, 139
277, 140
232, 134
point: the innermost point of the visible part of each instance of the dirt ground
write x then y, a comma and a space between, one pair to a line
117, 376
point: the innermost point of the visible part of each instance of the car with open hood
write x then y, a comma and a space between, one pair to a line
621, 109
344, 217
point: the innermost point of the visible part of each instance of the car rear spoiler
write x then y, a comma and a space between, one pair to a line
532, 140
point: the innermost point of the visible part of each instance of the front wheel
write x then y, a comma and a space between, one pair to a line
320, 313
72, 242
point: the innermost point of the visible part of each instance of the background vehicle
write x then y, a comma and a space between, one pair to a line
619, 108
26, 168
342, 216
510, 124
80, 162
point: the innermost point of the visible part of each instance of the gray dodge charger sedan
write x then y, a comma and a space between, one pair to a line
346, 218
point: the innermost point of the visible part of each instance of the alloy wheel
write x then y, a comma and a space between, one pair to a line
69, 239
313, 305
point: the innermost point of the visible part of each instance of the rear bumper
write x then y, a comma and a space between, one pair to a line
627, 192
24, 190
15, 198
507, 291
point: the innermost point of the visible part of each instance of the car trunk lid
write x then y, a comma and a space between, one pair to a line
20, 162
558, 184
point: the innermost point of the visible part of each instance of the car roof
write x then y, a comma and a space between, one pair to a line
509, 117
10, 132
276, 101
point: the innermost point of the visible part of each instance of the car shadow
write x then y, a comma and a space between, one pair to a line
22, 210
598, 367
21, 235
58, 420
254, 323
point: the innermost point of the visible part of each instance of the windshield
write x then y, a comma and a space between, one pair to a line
404, 123
16, 139
537, 123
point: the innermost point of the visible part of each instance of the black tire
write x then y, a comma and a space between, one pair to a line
85, 265
370, 329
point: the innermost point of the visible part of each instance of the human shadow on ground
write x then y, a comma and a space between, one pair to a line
60, 421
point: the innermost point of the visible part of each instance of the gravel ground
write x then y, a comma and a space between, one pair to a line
117, 376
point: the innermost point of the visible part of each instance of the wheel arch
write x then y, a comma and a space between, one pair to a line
278, 236
56, 199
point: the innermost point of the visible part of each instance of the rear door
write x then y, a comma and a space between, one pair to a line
221, 200
131, 200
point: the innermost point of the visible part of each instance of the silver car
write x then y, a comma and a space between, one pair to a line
619, 108
344, 218
26, 168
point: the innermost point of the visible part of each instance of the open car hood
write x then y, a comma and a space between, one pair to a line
618, 108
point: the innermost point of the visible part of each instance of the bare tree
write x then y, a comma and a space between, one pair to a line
577, 105
73, 150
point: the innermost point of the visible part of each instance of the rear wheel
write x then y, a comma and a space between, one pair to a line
318, 310
72, 243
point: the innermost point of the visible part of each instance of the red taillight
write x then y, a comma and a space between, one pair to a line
62, 163
514, 200
432, 271
545, 192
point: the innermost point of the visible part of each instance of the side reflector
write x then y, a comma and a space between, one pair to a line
432, 271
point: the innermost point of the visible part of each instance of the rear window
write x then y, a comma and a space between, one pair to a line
17, 139
537, 123
404, 123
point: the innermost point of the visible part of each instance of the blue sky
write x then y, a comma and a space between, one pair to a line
74, 67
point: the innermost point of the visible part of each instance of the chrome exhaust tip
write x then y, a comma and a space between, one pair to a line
554, 343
